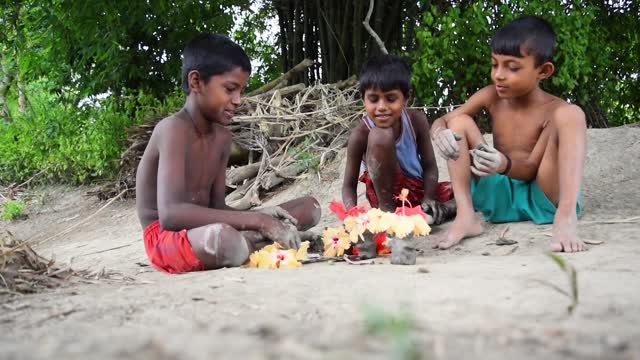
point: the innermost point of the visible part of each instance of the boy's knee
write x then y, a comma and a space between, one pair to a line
381, 137
315, 209
460, 122
227, 245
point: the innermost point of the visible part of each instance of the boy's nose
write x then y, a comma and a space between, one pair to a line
236, 100
382, 105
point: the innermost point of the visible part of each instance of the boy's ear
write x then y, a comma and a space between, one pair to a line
546, 70
408, 97
193, 79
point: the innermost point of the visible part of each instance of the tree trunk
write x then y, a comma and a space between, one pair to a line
6, 77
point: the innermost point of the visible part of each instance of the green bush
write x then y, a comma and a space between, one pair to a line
596, 60
11, 210
70, 143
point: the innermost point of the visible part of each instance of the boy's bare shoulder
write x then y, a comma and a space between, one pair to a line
565, 110
170, 124
487, 96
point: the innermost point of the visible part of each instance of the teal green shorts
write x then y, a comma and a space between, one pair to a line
503, 199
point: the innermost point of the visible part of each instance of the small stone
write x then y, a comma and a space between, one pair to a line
486, 253
423, 270
402, 253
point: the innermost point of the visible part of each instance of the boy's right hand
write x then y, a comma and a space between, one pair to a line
278, 213
284, 234
446, 142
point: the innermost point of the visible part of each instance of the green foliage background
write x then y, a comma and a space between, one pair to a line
597, 59
75, 74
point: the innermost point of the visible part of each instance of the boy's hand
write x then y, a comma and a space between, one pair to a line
486, 160
278, 213
281, 232
446, 143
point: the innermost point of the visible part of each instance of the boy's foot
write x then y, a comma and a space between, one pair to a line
565, 235
462, 227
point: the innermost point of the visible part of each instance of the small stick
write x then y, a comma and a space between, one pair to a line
361, 262
105, 250
11, 250
504, 232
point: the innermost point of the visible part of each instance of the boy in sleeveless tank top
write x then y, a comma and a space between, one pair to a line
391, 148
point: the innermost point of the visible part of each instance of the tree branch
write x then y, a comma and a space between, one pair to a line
370, 30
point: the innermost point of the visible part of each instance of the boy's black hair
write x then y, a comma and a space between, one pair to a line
212, 54
385, 72
528, 35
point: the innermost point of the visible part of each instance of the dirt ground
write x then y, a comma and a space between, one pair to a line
473, 301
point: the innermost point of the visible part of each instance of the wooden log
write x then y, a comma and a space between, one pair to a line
303, 65
250, 199
276, 178
288, 90
237, 175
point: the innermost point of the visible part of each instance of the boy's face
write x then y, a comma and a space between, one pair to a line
384, 107
220, 96
516, 76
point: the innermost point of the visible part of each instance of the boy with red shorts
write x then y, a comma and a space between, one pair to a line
180, 187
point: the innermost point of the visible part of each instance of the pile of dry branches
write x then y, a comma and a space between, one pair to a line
23, 271
279, 133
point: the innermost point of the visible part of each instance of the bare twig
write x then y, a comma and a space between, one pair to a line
370, 30
66, 231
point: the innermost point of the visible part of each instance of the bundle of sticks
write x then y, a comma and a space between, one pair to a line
24, 271
279, 132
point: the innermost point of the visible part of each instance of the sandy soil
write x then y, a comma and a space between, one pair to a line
473, 301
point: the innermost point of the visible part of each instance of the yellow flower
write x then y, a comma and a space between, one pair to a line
356, 226
379, 220
273, 257
336, 241
421, 227
402, 226
301, 254
283, 259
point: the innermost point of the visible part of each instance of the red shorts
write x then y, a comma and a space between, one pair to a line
415, 186
170, 251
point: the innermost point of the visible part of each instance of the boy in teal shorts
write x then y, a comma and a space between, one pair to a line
534, 169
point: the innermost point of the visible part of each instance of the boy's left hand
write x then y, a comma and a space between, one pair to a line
486, 160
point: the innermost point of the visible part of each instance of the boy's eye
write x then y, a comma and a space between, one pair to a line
514, 69
391, 98
372, 98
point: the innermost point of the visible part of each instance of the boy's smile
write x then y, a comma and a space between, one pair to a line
384, 107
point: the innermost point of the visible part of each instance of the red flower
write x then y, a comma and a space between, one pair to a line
338, 209
409, 211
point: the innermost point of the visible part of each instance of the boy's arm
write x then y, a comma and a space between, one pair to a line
218, 189
425, 149
175, 211
478, 101
356, 147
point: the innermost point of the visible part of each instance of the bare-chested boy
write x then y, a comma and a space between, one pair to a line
534, 170
392, 145
181, 177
